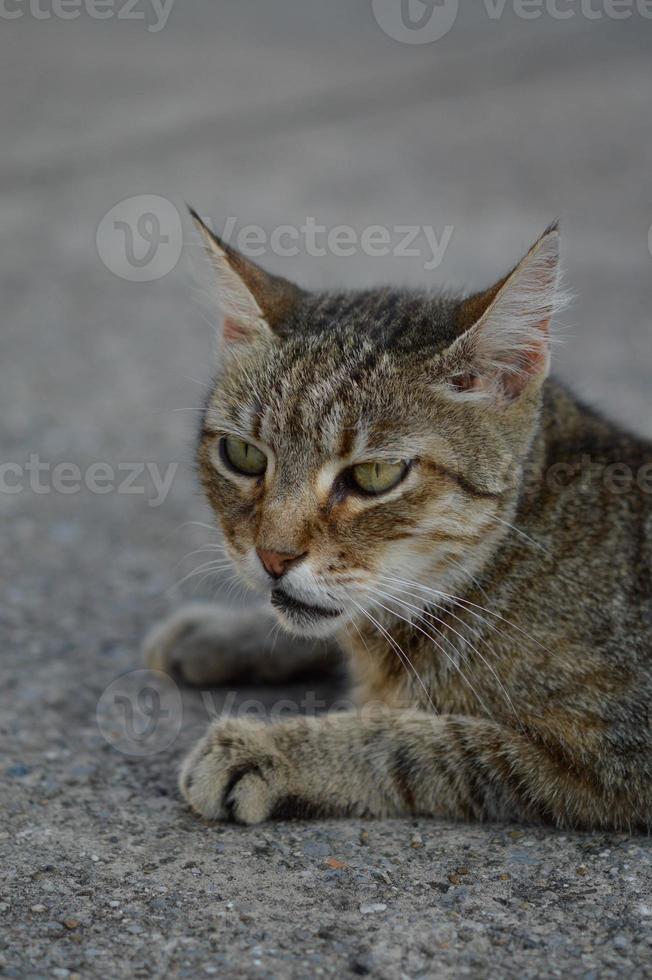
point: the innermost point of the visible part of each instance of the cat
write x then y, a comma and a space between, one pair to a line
399, 476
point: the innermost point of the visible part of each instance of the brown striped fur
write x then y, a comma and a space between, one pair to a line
496, 620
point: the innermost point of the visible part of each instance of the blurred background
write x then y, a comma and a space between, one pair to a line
482, 122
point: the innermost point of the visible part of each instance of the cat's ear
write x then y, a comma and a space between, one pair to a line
505, 343
253, 302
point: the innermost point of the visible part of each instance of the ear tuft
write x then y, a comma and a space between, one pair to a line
506, 340
254, 303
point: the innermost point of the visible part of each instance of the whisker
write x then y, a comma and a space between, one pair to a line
205, 576
234, 581
274, 634
352, 622
202, 524
207, 546
439, 647
472, 578
526, 537
208, 549
344, 596
403, 657
463, 638
203, 384
463, 603
215, 565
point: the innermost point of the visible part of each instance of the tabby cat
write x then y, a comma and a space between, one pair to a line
396, 472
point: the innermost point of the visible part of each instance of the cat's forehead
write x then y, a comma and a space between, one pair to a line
342, 381
390, 319
319, 398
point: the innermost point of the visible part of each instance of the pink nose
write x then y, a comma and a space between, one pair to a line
277, 563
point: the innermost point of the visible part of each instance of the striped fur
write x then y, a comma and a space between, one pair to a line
496, 621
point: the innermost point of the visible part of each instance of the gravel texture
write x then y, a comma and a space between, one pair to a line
272, 113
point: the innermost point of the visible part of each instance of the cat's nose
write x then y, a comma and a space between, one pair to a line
277, 563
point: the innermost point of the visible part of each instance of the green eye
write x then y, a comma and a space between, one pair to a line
377, 477
242, 457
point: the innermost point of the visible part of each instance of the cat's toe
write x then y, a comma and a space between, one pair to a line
250, 800
231, 775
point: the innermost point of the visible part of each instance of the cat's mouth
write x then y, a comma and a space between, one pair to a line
301, 611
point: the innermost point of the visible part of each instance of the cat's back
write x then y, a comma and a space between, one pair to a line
589, 568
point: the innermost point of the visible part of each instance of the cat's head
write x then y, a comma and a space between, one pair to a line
365, 445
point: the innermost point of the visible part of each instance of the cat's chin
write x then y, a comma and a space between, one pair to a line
303, 619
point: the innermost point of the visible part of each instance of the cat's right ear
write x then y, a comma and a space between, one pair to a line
504, 346
254, 303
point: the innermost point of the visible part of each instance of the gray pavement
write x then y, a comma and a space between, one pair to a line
272, 113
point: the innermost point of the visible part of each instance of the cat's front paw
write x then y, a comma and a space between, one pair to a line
199, 644
234, 773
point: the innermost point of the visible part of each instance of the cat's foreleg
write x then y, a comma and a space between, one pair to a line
210, 644
387, 764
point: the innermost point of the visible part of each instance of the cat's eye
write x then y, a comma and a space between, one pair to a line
378, 477
242, 457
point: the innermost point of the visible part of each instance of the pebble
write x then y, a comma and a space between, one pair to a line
335, 863
362, 964
521, 857
370, 908
316, 848
20, 769
379, 873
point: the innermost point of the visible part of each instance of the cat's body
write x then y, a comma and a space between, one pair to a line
495, 601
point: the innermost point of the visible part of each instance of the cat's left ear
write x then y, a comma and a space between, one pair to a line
254, 303
505, 343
